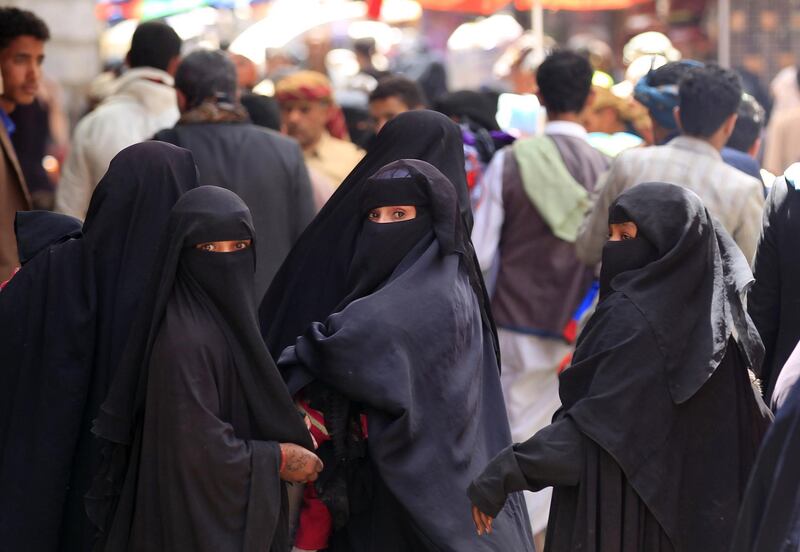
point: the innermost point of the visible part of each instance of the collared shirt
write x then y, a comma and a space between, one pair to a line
733, 197
333, 157
7, 122
565, 128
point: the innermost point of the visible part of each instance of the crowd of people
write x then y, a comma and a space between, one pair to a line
251, 322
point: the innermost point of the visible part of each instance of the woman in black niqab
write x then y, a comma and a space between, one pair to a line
660, 423
312, 280
195, 415
64, 319
410, 347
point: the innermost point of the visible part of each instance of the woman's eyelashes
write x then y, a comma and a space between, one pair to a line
392, 213
224, 246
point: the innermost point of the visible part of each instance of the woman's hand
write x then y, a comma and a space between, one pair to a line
483, 523
299, 465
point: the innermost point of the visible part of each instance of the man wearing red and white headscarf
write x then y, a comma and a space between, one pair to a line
310, 116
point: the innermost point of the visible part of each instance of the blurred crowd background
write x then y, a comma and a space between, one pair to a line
487, 46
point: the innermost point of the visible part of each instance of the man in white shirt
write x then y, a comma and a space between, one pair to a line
534, 196
143, 103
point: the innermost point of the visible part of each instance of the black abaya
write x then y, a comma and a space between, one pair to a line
194, 417
64, 319
410, 347
769, 520
664, 448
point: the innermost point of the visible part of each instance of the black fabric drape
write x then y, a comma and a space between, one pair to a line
692, 295
64, 319
667, 447
37, 230
773, 301
312, 280
769, 520
181, 452
679, 314
416, 354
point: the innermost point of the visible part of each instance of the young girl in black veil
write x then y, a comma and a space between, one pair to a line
199, 427
660, 423
404, 372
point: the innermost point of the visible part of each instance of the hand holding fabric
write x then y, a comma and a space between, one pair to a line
299, 464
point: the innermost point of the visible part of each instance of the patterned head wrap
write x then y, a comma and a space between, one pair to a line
304, 86
660, 100
312, 86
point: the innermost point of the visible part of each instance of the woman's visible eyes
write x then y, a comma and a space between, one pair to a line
374, 214
626, 236
208, 247
241, 245
398, 214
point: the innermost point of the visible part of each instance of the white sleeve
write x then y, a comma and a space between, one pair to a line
489, 214
75, 186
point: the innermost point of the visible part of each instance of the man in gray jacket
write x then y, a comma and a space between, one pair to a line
264, 168
709, 98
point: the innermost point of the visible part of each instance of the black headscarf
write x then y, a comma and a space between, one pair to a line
323, 252
37, 230
692, 294
416, 352
640, 384
64, 319
222, 284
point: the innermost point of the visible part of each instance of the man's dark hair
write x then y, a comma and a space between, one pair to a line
204, 75
408, 91
564, 79
15, 22
154, 44
669, 73
708, 95
748, 125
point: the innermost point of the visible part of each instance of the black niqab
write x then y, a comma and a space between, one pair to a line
209, 294
643, 384
692, 295
313, 279
64, 319
37, 230
415, 353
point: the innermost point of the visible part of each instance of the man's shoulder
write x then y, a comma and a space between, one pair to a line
268, 135
338, 146
115, 115
728, 176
